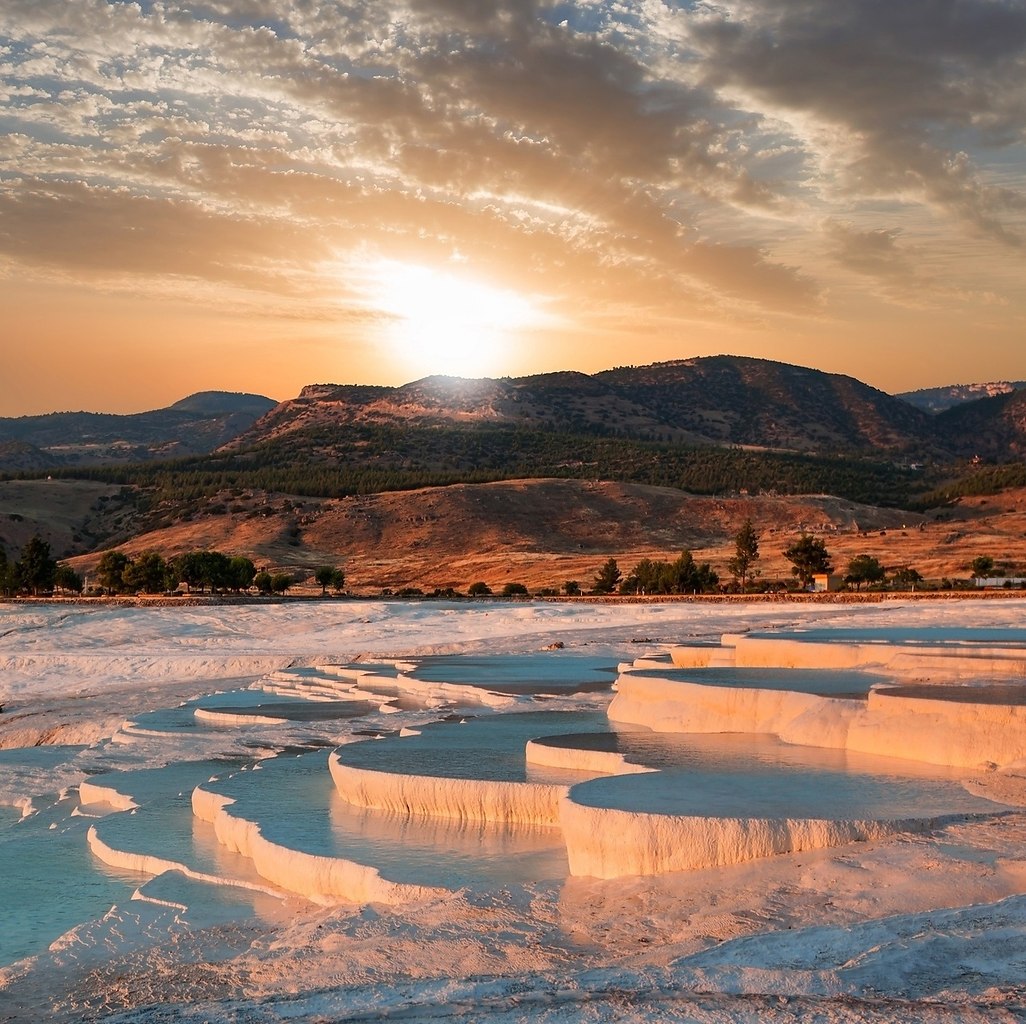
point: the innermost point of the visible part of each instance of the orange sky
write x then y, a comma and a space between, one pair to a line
260, 196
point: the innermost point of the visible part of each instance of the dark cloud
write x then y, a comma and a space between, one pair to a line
910, 85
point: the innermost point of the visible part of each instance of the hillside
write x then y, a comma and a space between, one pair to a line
734, 400
73, 516
993, 427
719, 400
445, 480
195, 425
544, 532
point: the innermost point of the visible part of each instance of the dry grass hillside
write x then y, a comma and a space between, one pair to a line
544, 532
72, 515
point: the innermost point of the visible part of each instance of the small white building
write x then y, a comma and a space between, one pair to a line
823, 582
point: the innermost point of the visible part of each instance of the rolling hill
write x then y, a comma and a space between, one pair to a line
445, 479
192, 426
718, 400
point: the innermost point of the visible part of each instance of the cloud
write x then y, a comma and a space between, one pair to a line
678, 159
874, 253
907, 86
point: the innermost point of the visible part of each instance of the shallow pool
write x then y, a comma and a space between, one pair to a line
489, 748
541, 673
742, 775
295, 803
819, 682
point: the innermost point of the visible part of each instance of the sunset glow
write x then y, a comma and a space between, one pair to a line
838, 185
447, 323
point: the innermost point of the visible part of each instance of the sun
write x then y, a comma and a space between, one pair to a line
447, 322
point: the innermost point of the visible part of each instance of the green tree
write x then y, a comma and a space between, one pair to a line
338, 581
280, 582
479, 589
607, 577
241, 573
325, 576
686, 576
746, 554
982, 566
147, 573
864, 569
8, 578
110, 571
67, 579
809, 556
216, 569
515, 590
189, 568
262, 581
681, 576
572, 588
36, 569
906, 578
644, 578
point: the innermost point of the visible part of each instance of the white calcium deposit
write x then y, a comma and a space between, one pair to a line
611, 843
529, 803
939, 731
918, 920
322, 879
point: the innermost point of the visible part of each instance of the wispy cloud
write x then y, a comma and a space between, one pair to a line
677, 158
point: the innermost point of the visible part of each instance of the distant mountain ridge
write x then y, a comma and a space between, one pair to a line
457, 426
993, 427
717, 400
194, 425
951, 395
728, 427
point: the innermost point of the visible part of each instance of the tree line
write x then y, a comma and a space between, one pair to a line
363, 459
808, 556
36, 572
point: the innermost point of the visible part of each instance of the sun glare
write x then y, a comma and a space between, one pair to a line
448, 323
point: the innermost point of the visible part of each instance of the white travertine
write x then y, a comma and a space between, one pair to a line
919, 660
943, 732
321, 879
600, 762
529, 803
609, 843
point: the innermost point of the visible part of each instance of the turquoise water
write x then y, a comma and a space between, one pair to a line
183, 719
296, 805
543, 673
923, 635
736, 775
51, 880
820, 682
490, 747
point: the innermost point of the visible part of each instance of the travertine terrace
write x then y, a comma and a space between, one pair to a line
895, 704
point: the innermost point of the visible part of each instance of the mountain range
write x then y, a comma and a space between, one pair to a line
718, 400
404, 481
195, 425
730, 401
939, 399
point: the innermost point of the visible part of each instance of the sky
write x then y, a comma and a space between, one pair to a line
254, 195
